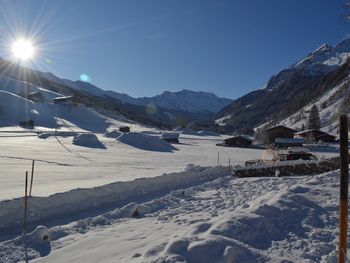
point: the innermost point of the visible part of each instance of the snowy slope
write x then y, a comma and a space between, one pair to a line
329, 105
292, 89
219, 219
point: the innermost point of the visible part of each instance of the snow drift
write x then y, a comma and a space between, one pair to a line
146, 142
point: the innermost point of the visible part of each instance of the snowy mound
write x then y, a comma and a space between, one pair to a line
207, 133
146, 142
189, 131
45, 135
88, 140
113, 134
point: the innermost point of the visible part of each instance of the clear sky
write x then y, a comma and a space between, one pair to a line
144, 47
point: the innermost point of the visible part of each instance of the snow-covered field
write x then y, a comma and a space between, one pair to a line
135, 198
62, 166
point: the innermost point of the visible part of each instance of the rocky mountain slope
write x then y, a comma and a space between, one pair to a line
293, 90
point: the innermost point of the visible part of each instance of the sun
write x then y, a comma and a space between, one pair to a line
23, 49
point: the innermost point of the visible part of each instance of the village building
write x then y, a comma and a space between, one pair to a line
315, 135
124, 129
238, 141
35, 96
66, 100
278, 132
289, 142
27, 123
171, 137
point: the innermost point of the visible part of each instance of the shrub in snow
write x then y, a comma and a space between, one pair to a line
88, 140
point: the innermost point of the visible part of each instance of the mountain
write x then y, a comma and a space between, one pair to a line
293, 89
187, 100
184, 100
19, 82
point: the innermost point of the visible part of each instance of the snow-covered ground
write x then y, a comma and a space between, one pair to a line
219, 218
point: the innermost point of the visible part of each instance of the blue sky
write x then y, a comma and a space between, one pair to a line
144, 47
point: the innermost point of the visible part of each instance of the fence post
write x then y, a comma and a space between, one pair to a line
344, 178
31, 179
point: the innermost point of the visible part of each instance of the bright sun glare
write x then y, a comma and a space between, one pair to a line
23, 49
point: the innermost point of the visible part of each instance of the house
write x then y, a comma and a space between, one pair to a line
238, 141
171, 137
27, 123
35, 96
315, 135
124, 129
278, 132
67, 100
289, 142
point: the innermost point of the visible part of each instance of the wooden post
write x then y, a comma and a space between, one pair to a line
229, 165
31, 179
344, 178
25, 204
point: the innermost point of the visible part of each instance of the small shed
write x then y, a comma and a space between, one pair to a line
315, 135
278, 132
67, 100
124, 129
35, 96
27, 123
239, 141
289, 142
171, 137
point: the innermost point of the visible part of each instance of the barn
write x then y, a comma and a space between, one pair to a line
124, 129
278, 132
171, 137
67, 100
315, 135
239, 141
289, 142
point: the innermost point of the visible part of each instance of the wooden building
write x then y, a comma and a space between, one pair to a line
124, 129
238, 141
67, 100
35, 96
171, 137
315, 135
289, 142
278, 132
27, 123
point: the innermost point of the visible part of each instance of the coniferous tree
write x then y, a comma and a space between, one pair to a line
314, 121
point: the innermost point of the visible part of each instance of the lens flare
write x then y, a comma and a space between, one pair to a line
85, 78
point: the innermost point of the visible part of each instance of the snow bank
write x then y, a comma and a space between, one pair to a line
64, 206
207, 133
146, 142
89, 140
113, 134
290, 225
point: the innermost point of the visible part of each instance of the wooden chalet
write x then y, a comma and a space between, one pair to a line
238, 141
171, 137
27, 123
315, 136
289, 142
67, 100
124, 129
278, 132
35, 96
